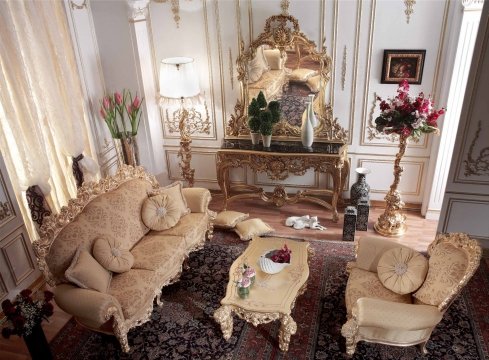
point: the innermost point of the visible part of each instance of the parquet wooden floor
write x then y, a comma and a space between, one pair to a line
420, 233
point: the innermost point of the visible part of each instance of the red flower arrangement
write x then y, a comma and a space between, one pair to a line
25, 313
280, 255
407, 116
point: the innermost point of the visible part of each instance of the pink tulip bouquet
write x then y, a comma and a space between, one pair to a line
407, 116
115, 107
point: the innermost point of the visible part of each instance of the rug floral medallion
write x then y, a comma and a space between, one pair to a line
183, 328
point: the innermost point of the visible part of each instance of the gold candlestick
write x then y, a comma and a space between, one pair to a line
392, 221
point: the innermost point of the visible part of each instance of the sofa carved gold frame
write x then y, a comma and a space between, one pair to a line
282, 32
350, 329
55, 223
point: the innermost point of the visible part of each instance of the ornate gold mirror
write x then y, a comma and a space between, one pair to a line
286, 66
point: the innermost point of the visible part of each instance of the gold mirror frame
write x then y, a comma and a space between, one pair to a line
282, 32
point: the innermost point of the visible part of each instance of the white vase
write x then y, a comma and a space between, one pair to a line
307, 130
266, 139
312, 116
255, 138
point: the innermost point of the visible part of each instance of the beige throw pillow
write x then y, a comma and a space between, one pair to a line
402, 270
87, 273
110, 253
253, 227
257, 66
274, 59
229, 219
313, 83
175, 193
160, 212
301, 75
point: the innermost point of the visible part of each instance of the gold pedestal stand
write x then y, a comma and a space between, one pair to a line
392, 221
185, 153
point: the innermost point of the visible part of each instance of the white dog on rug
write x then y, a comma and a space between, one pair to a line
306, 221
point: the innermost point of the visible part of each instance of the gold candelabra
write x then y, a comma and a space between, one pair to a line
392, 221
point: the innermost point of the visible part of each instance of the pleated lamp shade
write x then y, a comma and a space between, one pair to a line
178, 78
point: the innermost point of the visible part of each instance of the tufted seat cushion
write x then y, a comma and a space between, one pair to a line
189, 227
131, 289
158, 252
362, 283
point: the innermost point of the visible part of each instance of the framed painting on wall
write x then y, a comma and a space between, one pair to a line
403, 64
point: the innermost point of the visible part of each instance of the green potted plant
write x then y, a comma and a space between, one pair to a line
262, 117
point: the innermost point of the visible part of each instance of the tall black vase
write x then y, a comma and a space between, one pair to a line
360, 189
37, 344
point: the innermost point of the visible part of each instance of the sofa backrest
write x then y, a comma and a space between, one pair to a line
110, 207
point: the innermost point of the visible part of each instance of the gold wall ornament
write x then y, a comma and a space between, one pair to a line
175, 9
409, 9
343, 70
392, 221
478, 166
284, 5
283, 32
231, 68
76, 6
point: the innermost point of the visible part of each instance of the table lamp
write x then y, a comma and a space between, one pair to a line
179, 82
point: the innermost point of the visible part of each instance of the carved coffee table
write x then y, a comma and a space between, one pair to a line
272, 297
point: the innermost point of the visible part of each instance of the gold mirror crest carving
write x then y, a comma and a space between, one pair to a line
282, 32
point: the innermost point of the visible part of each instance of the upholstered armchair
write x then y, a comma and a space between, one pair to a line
396, 296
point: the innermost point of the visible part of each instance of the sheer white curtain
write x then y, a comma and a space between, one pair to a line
43, 122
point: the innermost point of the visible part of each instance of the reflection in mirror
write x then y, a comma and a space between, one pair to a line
286, 66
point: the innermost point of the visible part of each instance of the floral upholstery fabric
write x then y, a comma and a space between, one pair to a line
447, 266
362, 283
270, 83
116, 214
131, 289
156, 252
191, 227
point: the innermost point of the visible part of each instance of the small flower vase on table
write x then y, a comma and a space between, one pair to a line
408, 118
243, 287
37, 344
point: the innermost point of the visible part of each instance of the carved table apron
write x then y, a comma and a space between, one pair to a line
278, 162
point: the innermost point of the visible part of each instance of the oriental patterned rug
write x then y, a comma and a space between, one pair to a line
183, 328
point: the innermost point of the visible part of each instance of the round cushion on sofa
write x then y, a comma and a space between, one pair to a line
110, 253
160, 212
402, 270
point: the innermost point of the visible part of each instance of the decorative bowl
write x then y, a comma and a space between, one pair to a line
270, 267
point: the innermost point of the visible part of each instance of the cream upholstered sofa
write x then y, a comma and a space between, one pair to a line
267, 73
404, 317
112, 207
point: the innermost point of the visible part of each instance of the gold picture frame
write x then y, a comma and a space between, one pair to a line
403, 64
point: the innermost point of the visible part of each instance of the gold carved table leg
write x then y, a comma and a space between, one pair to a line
288, 327
224, 317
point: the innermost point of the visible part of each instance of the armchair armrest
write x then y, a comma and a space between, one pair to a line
92, 306
370, 249
197, 199
390, 315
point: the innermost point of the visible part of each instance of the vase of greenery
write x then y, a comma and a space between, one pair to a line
254, 124
114, 109
263, 116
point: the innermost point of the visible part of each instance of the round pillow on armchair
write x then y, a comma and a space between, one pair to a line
160, 212
402, 270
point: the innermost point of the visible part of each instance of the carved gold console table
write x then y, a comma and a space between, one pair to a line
279, 161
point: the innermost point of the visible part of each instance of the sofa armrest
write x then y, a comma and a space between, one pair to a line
197, 199
391, 315
370, 249
94, 307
